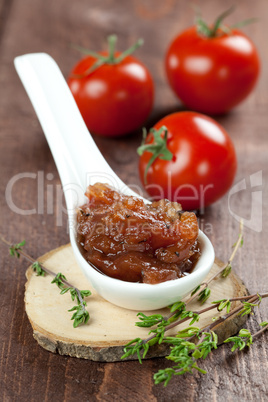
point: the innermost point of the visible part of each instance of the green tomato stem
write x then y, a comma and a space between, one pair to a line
219, 20
243, 23
212, 32
110, 59
129, 51
88, 52
158, 148
112, 39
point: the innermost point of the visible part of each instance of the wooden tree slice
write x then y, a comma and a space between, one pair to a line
110, 327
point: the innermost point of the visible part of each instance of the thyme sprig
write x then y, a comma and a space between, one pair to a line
184, 350
15, 249
191, 344
80, 315
202, 292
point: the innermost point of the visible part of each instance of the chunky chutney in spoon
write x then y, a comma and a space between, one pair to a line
129, 240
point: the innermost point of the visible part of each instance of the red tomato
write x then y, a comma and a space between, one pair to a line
114, 99
212, 74
203, 163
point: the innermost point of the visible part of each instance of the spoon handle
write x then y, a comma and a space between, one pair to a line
75, 153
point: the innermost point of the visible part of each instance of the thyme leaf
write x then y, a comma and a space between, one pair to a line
15, 249
81, 315
191, 344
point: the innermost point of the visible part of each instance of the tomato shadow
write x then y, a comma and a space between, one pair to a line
156, 115
159, 113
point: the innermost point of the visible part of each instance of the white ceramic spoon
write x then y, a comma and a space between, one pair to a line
79, 164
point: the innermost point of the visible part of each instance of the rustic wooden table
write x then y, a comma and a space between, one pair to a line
28, 173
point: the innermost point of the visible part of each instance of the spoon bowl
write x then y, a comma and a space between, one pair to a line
143, 296
80, 163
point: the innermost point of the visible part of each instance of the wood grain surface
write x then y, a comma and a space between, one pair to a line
29, 373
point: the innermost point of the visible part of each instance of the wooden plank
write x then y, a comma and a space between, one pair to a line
5, 6
26, 371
